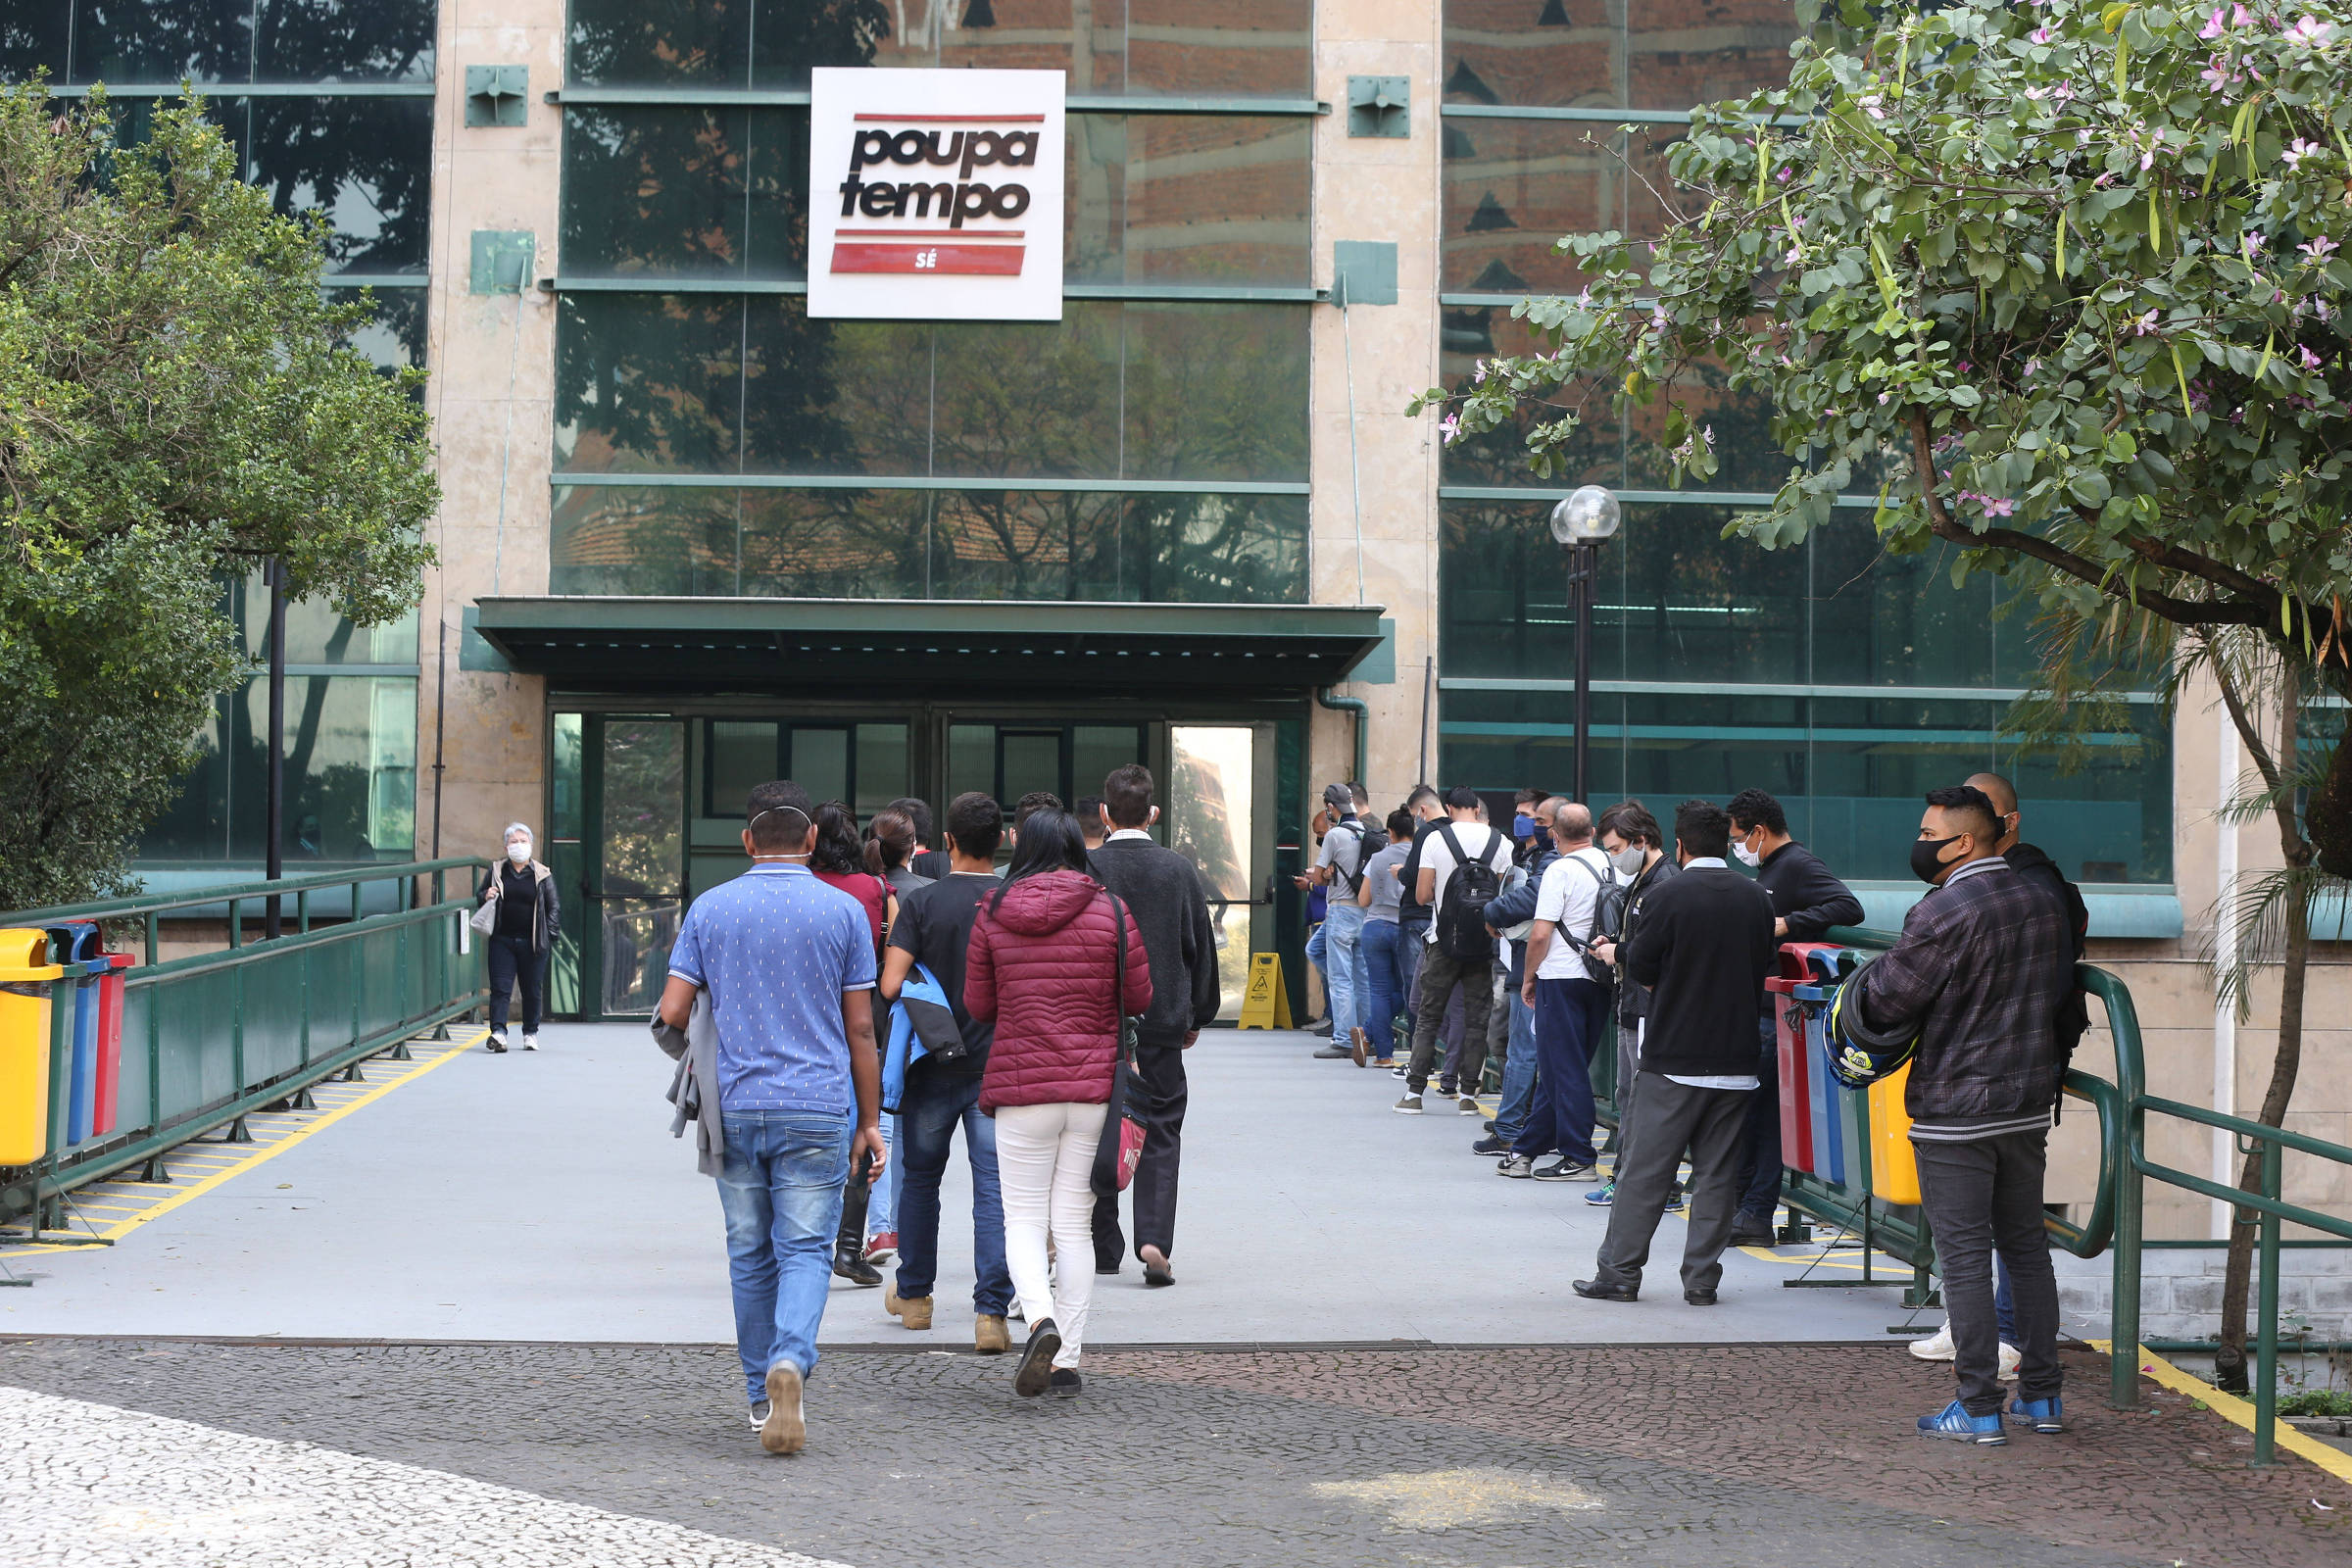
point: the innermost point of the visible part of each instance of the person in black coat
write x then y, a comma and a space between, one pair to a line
1806, 900
1702, 948
1163, 892
528, 918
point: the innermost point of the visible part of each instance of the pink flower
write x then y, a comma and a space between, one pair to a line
1999, 509
2309, 32
2031, 366
2240, 17
2318, 249
2251, 242
2217, 76
1786, 171
1794, 257
2311, 360
2213, 28
1450, 426
2040, 34
2145, 324
1478, 372
2299, 151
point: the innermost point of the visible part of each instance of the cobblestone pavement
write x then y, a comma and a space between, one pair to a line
1438, 1457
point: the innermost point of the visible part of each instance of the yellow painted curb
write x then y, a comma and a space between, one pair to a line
2235, 1410
217, 1175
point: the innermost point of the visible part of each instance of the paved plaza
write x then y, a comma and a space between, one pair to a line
1371, 1357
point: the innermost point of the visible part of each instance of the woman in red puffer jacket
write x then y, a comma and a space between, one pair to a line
1044, 964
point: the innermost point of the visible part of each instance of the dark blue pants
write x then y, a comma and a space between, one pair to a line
931, 1108
512, 960
1383, 953
1571, 1019
1759, 1184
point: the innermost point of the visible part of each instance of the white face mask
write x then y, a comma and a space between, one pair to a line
1748, 856
1629, 861
519, 852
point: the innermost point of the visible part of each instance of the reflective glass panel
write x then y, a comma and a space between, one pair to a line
1209, 804
624, 540
648, 384
1684, 52
972, 759
1029, 398
35, 38
394, 337
738, 757
820, 762
685, 191
1096, 750
344, 40
1032, 762
1228, 48
1888, 619
1467, 335
1213, 392
835, 397
882, 767
365, 164
1216, 199
1512, 187
789, 37
1657, 54
162, 41
649, 43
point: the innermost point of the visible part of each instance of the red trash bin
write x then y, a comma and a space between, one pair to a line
106, 1100
1797, 1066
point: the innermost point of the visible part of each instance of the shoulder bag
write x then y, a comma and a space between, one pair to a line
1122, 1145
484, 920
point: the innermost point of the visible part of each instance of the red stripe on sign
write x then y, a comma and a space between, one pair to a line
969, 261
959, 120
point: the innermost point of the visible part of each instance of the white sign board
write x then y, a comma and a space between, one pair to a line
935, 195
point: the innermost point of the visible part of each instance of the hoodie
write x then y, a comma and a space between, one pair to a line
1042, 965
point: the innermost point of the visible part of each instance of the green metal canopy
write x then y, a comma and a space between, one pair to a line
701, 644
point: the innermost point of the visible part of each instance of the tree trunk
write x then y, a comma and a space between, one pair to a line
2230, 1362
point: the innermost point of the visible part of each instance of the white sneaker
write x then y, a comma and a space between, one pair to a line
530, 1041
1937, 1346
2010, 1356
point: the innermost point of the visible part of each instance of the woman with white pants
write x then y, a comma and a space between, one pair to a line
1047, 965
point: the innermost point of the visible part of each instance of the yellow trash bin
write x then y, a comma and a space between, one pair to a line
1893, 1162
24, 976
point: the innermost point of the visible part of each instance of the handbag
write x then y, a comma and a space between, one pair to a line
484, 920
1121, 1148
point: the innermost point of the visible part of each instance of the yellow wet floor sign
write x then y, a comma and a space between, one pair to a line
1264, 1004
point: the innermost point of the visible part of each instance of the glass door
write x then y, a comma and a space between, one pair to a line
638, 872
1222, 819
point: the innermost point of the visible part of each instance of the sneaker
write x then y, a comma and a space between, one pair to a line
1676, 1200
1321, 1026
1336, 1053
1410, 1105
881, 1244
1937, 1346
1516, 1166
1490, 1124
1954, 1422
1065, 1384
759, 1409
1445, 1086
530, 1041
1603, 1196
1396, 1069
1469, 1107
2011, 1355
2042, 1415
496, 1045
1493, 1145
1036, 1371
1359, 1046
784, 1431
1564, 1169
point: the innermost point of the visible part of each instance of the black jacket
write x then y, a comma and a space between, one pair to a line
1163, 892
1804, 893
1633, 1001
547, 917
1519, 903
1703, 948
1980, 975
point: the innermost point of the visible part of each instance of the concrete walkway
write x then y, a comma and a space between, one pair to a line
540, 1198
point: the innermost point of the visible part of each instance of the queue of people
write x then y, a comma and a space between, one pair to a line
1041, 1010
1571, 937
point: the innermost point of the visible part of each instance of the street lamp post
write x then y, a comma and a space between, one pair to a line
1583, 523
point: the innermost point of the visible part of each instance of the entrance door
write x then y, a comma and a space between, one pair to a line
1221, 814
638, 876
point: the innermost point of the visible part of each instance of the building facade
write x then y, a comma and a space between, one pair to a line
693, 538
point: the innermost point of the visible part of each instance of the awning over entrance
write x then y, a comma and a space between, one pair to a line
701, 644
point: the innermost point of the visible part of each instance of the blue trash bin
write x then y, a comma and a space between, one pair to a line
74, 943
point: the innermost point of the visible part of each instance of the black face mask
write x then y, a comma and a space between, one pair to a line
1927, 856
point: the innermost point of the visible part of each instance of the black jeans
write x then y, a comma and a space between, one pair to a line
1760, 1145
1667, 1118
1441, 975
1161, 1096
1983, 1195
512, 960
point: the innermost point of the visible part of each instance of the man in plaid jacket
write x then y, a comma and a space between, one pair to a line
1982, 973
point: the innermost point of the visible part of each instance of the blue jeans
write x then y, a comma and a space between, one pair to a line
1382, 951
1571, 1019
780, 1189
1518, 1070
1343, 927
931, 1108
882, 1210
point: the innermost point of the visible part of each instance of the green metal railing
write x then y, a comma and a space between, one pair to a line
209, 1038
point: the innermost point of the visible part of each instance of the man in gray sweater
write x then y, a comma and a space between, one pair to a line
1163, 892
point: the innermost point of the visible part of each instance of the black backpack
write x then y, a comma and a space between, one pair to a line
1463, 909
1609, 899
1351, 881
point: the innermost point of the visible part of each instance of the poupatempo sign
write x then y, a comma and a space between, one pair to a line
935, 195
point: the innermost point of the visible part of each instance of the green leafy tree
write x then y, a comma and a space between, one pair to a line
2064, 283
177, 401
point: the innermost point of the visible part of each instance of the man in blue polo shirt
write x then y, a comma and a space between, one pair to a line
787, 961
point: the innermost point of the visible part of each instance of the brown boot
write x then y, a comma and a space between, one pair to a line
915, 1313
989, 1335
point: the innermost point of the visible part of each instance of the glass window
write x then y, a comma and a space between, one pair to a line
685, 191
1512, 187
394, 338
1185, 48
1213, 392
834, 544
1603, 53
972, 759
161, 40
32, 38
667, 542
1096, 750
1219, 199
1029, 398
883, 771
344, 40
738, 757
1498, 457
365, 164
660, 43
315, 633
820, 762
835, 397
648, 384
